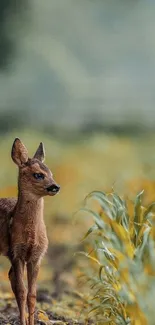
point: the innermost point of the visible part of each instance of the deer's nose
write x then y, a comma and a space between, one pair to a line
53, 188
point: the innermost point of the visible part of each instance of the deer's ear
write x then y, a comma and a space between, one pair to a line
40, 153
19, 153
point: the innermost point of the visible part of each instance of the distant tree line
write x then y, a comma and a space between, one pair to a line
8, 45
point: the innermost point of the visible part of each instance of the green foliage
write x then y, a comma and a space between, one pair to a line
122, 259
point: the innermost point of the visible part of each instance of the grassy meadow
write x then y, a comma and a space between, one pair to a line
101, 162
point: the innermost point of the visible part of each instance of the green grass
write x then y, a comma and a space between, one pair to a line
122, 260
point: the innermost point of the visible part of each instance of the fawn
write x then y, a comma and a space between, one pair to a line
22, 229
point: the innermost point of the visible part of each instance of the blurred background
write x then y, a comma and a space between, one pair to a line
79, 76
77, 66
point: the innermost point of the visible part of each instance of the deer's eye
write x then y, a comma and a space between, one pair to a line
39, 176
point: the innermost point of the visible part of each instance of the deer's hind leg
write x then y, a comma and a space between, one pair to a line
16, 275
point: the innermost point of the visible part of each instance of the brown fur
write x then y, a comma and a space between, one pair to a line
23, 232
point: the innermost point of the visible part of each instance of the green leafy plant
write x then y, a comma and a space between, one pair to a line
122, 259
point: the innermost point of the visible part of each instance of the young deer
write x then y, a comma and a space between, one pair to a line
23, 233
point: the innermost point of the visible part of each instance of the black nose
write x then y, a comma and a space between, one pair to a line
53, 188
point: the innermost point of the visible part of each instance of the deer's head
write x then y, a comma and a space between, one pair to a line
35, 178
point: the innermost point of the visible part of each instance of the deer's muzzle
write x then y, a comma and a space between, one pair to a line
53, 189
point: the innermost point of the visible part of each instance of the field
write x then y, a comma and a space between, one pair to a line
102, 162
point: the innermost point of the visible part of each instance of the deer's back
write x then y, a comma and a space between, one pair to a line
7, 206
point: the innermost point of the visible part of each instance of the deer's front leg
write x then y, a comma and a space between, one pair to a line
16, 276
32, 273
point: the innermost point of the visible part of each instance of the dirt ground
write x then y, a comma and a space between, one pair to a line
58, 299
